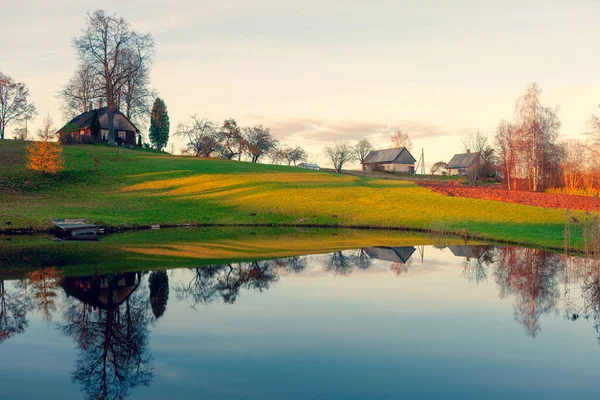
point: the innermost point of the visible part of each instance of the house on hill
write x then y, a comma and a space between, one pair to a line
460, 163
125, 130
393, 160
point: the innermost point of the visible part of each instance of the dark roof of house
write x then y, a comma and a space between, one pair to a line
84, 120
388, 156
462, 160
393, 254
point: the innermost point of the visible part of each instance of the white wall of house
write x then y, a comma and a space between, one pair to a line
404, 168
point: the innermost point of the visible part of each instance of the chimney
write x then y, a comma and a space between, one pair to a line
90, 107
468, 151
99, 103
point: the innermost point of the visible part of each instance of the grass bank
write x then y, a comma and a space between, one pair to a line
129, 188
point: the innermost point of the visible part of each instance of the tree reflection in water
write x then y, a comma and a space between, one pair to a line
225, 281
108, 317
532, 277
45, 284
158, 283
13, 312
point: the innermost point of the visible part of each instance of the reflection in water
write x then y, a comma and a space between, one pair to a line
226, 280
477, 260
108, 316
159, 292
14, 307
44, 285
531, 276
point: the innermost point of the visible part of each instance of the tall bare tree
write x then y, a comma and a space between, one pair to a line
505, 142
538, 130
362, 150
401, 139
14, 103
135, 98
340, 154
116, 53
82, 92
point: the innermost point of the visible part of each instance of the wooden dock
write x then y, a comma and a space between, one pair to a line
77, 229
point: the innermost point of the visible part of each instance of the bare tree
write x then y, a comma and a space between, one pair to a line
401, 139
259, 141
294, 155
538, 128
594, 134
575, 165
438, 166
136, 98
476, 143
277, 154
116, 53
339, 154
232, 139
505, 141
362, 150
14, 103
202, 136
81, 92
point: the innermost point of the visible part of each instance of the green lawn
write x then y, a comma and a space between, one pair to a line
122, 187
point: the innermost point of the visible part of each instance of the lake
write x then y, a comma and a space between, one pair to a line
384, 321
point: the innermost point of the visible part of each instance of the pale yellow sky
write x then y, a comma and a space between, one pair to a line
325, 70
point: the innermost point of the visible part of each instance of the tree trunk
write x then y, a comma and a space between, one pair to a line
111, 126
1, 131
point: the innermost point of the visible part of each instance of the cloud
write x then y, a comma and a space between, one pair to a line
320, 130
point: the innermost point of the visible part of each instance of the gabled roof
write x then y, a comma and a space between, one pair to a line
84, 120
393, 254
386, 156
464, 160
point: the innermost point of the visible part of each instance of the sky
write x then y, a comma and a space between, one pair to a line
319, 71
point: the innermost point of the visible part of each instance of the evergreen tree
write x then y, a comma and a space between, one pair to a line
95, 126
139, 142
159, 124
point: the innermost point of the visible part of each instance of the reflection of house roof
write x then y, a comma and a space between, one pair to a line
400, 155
393, 254
469, 251
462, 160
104, 292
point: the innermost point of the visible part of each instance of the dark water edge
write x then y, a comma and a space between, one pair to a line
429, 320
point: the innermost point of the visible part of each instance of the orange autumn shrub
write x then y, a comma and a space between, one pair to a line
45, 156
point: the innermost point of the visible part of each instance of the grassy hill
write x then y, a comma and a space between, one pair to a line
122, 187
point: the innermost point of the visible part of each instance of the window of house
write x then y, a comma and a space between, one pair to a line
121, 134
104, 135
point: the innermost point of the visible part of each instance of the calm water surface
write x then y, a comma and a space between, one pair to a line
380, 323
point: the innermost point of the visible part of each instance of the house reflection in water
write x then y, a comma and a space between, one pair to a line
104, 292
393, 254
400, 257
475, 252
113, 355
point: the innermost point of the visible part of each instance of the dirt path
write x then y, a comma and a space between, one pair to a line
547, 200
